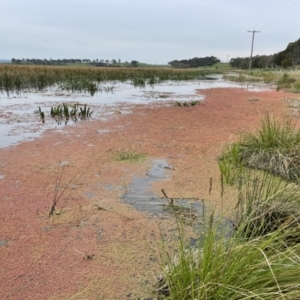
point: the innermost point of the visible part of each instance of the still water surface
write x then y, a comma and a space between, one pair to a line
18, 122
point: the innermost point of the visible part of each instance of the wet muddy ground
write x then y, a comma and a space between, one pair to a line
97, 245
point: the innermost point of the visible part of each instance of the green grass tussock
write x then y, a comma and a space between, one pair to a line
130, 154
267, 204
259, 259
274, 147
231, 270
285, 82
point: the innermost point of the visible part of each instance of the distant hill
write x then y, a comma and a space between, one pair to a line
287, 58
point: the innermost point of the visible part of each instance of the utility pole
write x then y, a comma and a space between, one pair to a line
253, 33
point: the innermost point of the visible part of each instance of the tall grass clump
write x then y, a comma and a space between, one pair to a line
296, 87
230, 163
273, 133
258, 260
285, 82
274, 147
232, 270
269, 77
268, 204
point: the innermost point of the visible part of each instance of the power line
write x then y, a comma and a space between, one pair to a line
273, 13
279, 20
243, 38
275, 17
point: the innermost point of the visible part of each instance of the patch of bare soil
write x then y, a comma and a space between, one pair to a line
94, 246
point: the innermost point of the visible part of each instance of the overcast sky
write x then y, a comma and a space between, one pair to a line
152, 31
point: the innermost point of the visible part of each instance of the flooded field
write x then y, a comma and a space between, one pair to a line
18, 122
112, 216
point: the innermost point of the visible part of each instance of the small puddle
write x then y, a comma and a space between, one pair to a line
3, 242
190, 211
142, 198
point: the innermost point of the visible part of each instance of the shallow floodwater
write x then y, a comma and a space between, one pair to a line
193, 212
140, 195
18, 122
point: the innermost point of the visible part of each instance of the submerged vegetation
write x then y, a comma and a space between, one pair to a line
23, 78
63, 112
187, 104
41, 113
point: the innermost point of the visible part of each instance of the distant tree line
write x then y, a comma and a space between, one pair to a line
194, 62
114, 63
258, 61
61, 62
290, 56
286, 58
36, 61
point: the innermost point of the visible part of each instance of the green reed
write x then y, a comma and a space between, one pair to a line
63, 112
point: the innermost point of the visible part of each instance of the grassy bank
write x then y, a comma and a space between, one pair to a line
255, 255
288, 80
256, 258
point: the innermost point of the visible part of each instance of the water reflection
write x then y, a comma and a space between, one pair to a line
18, 121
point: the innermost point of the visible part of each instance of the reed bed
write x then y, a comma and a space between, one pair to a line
89, 79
